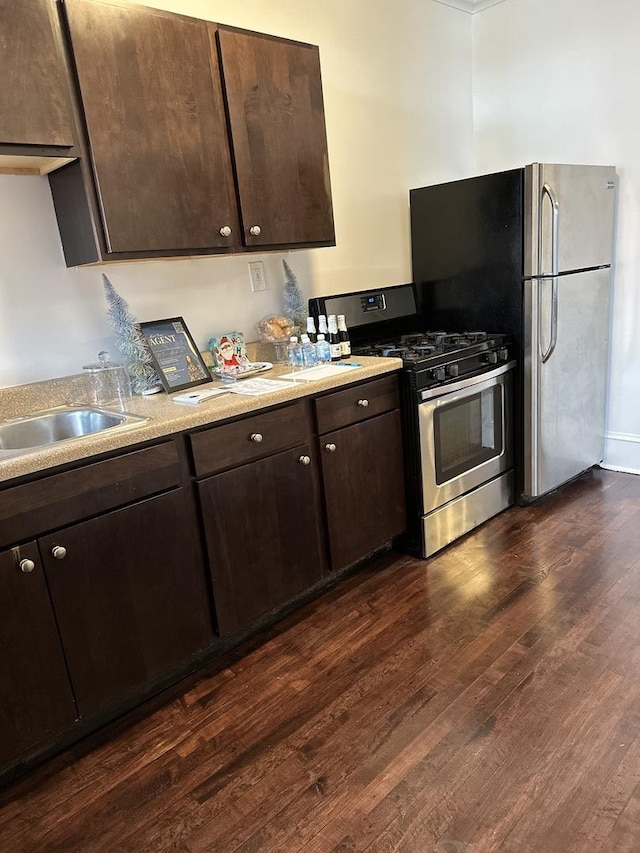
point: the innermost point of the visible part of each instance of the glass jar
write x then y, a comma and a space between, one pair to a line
109, 383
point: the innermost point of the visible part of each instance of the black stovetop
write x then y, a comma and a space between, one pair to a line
428, 350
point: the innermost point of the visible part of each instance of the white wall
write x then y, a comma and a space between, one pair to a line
397, 90
557, 81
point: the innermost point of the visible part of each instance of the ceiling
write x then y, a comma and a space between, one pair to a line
470, 6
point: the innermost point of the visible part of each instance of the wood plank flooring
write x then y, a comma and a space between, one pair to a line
485, 700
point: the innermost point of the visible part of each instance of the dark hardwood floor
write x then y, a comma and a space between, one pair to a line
485, 700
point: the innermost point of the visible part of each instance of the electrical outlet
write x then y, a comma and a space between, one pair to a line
256, 276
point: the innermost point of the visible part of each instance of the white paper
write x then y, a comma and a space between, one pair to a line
322, 371
255, 387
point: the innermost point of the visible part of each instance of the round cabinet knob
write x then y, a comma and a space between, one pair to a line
305, 460
226, 231
330, 448
256, 436
255, 230
27, 566
58, 552
363, 403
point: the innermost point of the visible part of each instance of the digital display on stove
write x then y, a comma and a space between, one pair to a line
373, 302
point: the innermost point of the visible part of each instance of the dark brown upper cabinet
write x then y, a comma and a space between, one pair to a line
156, 128
198, 140
36, 119
276, 115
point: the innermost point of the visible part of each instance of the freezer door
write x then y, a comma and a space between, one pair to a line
564, 385
568, 217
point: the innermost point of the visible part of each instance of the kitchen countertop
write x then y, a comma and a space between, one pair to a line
165, 416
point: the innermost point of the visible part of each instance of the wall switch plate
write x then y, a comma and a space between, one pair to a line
257, 276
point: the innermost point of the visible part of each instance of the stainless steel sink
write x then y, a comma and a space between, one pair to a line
54, 426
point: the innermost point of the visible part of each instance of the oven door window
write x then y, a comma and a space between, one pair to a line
467, 433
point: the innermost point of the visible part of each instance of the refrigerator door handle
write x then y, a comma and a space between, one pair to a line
548, 190
553, 338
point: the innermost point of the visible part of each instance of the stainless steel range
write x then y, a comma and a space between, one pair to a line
457, 410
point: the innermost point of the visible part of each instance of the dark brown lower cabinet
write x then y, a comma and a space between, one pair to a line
36, 703
261, 523
129, 593
363, 486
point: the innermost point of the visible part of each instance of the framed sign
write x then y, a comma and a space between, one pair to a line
175, 354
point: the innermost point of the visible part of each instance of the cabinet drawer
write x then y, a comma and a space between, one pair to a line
248, 439
34, 508
357, 403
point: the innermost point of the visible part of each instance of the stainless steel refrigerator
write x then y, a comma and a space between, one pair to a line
528, 252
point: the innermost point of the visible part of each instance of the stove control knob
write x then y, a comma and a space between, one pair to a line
503, 354
491, 357
452, 369
438, 374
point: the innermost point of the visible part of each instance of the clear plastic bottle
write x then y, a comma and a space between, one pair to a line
294, 353
309, 355
323, 349
334, 340
343, 334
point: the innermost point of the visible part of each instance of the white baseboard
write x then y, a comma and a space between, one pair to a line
622, 452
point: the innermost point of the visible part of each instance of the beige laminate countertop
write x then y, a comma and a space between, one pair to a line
165, 416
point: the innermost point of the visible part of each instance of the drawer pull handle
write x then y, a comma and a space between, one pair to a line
226, 231
58, 552
330, 448
256, 437
27, 566
305, 460
363, 403
255, 230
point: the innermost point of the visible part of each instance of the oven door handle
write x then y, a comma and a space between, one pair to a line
470, 382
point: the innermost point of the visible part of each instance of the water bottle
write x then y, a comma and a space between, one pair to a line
323, 350
294, 353
309, 355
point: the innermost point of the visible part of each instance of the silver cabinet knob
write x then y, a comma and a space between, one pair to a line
305, 460
27, 566
59, 552
256, 436
330, 448
363, 403
255, 230
226, 231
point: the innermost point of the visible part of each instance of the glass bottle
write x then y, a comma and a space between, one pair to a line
334, 339
311, 329
343, 334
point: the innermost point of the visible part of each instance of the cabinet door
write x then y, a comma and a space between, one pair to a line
130, 598
157, 131
263, 537
362, 469
36, 703
34, 97
276, 112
